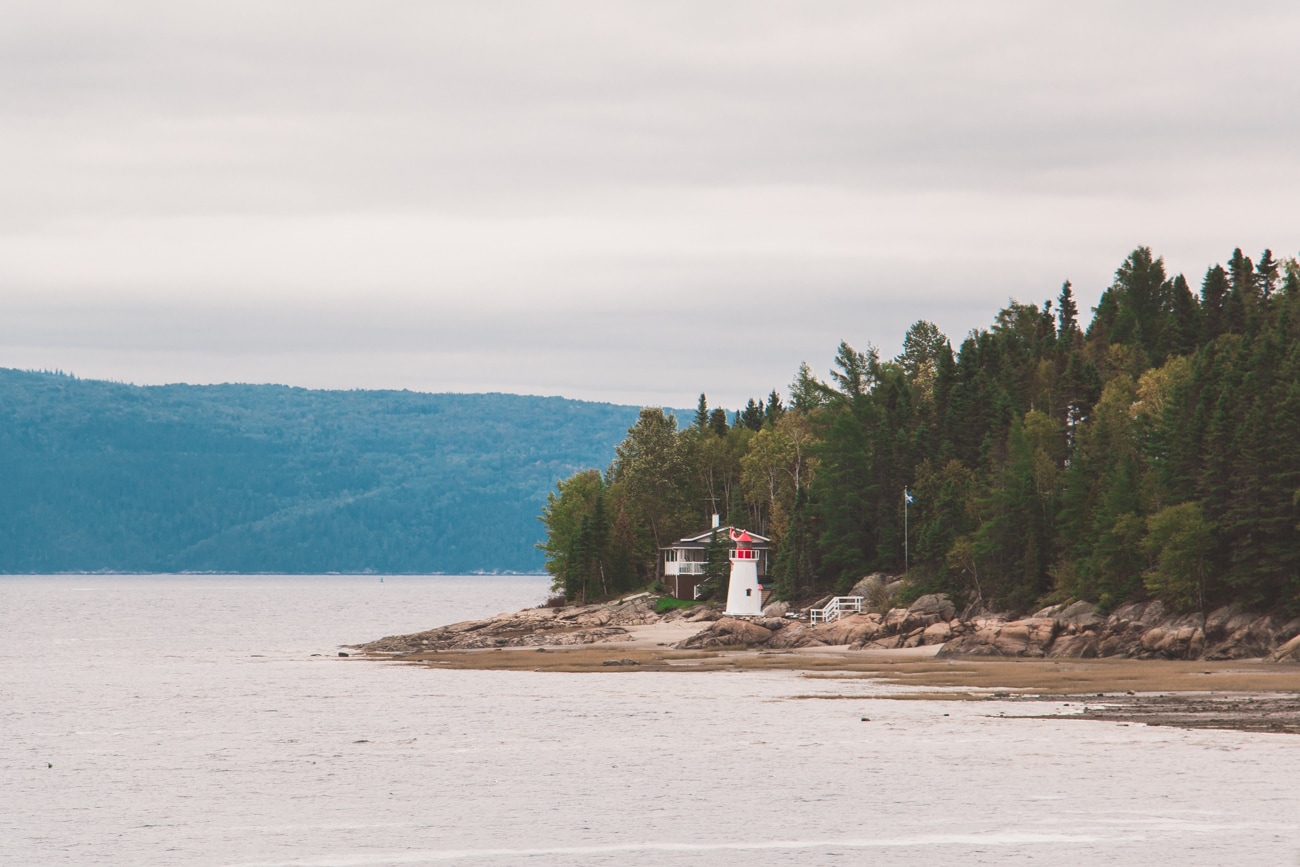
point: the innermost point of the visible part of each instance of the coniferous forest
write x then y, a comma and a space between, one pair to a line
1151, 452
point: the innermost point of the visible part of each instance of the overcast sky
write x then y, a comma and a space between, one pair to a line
611, 201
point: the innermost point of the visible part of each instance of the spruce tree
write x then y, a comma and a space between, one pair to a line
775, 409
1266, 273
702, 413
1184, 328
718, 422
1068, 335
1214, 292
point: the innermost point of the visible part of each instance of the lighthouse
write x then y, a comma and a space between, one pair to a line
744, 593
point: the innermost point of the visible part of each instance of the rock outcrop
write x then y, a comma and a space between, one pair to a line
533, 627
1142, 630
732, 632
1289, 651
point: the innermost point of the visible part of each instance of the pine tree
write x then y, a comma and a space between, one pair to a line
718, 422
1266, 273
702, 413
794, 568
1184, 328
1241, 304
806, 393
717, 565
775, 409
1214, 292
845, 493
1067, 313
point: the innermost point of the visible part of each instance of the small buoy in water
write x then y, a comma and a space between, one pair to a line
341, 653
865, 719
49, 764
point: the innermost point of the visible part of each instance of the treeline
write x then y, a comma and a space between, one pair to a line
263, 478
1154, 452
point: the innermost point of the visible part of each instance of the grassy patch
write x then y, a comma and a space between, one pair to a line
668, 603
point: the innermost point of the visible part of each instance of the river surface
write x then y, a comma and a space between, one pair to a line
208, 720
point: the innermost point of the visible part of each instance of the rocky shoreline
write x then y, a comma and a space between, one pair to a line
1140, 664
1136, 630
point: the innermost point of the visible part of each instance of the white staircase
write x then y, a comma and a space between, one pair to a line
834, 609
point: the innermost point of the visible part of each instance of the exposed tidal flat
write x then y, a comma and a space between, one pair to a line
186, 720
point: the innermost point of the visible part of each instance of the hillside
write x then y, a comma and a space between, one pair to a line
265, 478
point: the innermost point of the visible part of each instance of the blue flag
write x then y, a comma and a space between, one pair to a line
907, 495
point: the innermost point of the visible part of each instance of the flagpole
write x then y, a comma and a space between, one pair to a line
906, 500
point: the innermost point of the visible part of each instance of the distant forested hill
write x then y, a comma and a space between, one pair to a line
264, 478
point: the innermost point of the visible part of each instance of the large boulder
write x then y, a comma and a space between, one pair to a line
855, 629
728, 632
868, 587
936, 605
776, 609
705, 614
936, 633
1289, 652
895, 618
1079, 645
1216, 622
876, 590
1031, 637
794, 634
1248, 636
1081, 615
1173, 642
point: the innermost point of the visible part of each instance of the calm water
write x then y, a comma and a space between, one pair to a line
187, 721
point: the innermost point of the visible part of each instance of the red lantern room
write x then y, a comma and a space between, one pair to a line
744, 546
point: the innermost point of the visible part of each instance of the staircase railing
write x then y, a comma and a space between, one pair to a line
834, 609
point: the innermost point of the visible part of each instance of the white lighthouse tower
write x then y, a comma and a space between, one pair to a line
744, 593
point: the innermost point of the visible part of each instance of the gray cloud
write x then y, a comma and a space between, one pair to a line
606, 200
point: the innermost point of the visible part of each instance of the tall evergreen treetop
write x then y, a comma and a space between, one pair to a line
702, 413
1214, 292
855, 372
806, 392
1067, 314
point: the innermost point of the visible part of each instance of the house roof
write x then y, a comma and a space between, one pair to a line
724, 534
